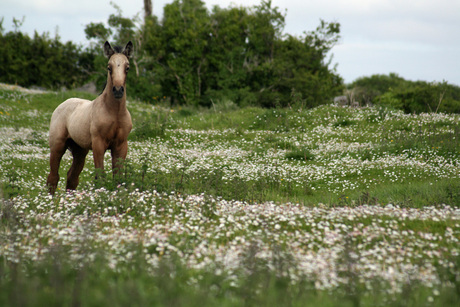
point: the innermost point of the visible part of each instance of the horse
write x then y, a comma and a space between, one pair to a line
81, 125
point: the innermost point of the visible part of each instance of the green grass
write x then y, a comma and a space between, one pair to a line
18, 109
228, 207
56, 283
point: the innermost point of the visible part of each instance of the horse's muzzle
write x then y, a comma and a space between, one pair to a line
118, 92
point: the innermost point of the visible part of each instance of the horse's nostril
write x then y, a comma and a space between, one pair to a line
118, 91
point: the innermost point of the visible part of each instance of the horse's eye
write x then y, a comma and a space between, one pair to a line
127, 68
109, 68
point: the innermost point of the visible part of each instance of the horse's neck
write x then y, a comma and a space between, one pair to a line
110, 104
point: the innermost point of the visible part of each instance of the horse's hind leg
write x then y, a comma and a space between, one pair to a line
57, 151
79, 155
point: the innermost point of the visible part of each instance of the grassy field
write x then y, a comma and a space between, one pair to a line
330, 206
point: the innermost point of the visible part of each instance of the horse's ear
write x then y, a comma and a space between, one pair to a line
108, 50
128, 51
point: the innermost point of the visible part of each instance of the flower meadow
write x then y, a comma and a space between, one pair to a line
227, 206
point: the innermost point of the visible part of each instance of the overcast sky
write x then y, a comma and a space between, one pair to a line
417, 39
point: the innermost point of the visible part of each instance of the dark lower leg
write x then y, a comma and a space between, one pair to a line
53, 177
73, 174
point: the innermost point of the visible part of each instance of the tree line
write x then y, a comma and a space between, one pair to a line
195, 56
410, 96
192, 56
42, 61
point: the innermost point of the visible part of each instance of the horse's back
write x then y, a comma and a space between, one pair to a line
61, 125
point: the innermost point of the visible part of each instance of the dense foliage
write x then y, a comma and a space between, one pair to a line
192, 56
197, 57
411, 97
43, 61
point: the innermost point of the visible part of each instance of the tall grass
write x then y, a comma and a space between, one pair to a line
224, 206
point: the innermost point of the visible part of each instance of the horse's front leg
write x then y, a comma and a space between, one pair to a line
119, 152
99, 147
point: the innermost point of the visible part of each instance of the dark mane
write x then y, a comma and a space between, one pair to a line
105, 84
118, 49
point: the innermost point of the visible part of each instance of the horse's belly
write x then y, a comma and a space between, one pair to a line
78, 126
82, 138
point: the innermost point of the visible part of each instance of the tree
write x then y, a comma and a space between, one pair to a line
97, 31
185, 34
300, 66
148, 9
227, 75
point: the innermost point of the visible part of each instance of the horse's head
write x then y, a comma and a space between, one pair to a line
118, 67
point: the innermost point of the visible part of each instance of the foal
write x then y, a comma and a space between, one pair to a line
104, 123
